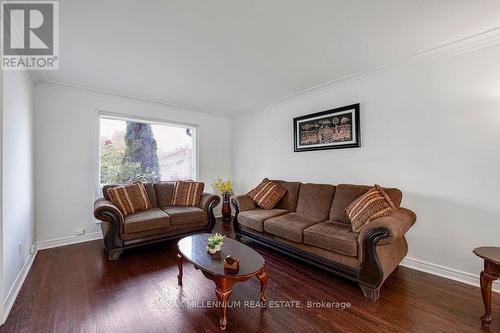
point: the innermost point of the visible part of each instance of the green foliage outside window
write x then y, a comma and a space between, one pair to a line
130, 158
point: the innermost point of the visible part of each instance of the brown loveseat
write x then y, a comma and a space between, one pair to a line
162, 222
310, 224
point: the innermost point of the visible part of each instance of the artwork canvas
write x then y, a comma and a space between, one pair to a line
331, 129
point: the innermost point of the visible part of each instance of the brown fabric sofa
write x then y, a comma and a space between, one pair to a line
310, 224
162, 222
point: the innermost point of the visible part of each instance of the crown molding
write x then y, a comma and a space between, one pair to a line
38, 76
102, 92
475, 42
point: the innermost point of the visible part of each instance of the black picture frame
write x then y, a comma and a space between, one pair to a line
348, 132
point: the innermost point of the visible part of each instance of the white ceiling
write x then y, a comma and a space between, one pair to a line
232, 55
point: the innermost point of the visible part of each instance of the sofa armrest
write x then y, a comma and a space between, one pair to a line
243, 202
240, 203
208, 202
112, 229
206, 199
397, 224
106, 211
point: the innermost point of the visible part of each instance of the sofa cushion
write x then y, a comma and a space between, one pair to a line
289, 201
267, 194
333, 236
315, 200
254, 218
347, 193
130, 198
150, 219
185, 214
187, 193
150, 190
172, 230
289, 226
373, 204
164, 193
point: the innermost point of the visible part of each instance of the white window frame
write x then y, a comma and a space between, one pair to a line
147, 120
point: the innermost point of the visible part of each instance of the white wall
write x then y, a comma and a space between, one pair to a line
17, 177
66, 153
431, 129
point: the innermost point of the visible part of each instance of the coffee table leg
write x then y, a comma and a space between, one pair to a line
262, 276
223, 291
180, 261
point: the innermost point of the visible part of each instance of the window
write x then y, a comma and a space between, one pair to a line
132, 150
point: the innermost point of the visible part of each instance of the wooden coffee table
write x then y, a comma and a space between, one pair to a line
194, 249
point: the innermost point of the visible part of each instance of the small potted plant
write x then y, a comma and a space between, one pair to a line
226, 189
214, 243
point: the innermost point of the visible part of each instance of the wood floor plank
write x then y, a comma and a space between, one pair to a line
76, 289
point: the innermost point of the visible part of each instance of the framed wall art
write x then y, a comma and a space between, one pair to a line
331, 129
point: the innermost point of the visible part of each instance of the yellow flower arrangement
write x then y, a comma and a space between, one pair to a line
224, 187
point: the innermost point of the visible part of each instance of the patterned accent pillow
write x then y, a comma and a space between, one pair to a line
267, 194
373, 204
187, 193
130, 198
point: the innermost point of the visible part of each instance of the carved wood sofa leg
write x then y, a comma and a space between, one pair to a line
372, 294
114, 254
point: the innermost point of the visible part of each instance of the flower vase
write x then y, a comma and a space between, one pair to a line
226, 207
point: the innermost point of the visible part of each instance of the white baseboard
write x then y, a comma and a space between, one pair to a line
47, 244
446, 272
11, 296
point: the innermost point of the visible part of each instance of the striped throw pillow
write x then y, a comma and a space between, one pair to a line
267, 194
373, 204
187, 193
130, 198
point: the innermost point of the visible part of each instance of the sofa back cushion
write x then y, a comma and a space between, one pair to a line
150, 190
315, 200
347, 193
164, 193
289, 201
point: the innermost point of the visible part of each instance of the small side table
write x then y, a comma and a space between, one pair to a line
491, 272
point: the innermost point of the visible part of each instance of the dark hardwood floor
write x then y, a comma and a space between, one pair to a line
75, 289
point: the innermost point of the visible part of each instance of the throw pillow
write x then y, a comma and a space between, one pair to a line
187, 193
130, 198
267, 194
373, 204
